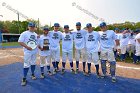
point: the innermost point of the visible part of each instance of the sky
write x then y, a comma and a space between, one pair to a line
67, 11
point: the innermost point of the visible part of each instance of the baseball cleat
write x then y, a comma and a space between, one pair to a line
88, 73
103, 76
113, 79
77, 71
98, 75
24, 82
84, 72
57, 69
54, 71
33, 77
63, 71
72, 71
42, 76
49, 73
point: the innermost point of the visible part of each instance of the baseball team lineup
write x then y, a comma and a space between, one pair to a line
98, 47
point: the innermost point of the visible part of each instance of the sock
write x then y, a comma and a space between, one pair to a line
84, 65
57, 64
63, 65
135, 58
112, 68
138, 58
54, 64
48, 67
115, 53
97, 68
77, 64
25, 71
89, 66
32, 69
103, 66
42, 69
71, 64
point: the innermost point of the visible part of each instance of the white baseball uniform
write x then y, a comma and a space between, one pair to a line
55, 45
124, 38
67, 47
29, 55
107, 44
131, 44
79, 41
92, 47
137, 45
45, 55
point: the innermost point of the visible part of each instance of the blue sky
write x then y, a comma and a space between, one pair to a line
62, 11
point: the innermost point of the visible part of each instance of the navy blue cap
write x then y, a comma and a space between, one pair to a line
89, 25
66, 26
56, 25
31, 24
102, 24
46, 29
78, 24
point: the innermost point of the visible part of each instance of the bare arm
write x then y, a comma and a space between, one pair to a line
117, 42
24, 45
138, 40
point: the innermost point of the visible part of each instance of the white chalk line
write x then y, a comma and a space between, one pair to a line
118, 66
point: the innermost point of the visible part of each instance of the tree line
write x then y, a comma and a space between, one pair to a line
18, 27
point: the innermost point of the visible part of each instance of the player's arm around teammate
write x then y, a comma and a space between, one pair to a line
28, 40
67, 48
79, 41
45, 56
107, 44
92, 47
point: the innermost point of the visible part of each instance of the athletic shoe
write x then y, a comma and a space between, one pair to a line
77, 71
42, 76
57, 69
103, 76
88, 73
24, 82
49, 73
113, 79
84, 72
98, 75
63, 71
33, 77
54, 71
72, 71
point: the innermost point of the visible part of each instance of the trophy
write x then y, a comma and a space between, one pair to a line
46, 46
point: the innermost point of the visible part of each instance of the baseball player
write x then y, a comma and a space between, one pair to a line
28, 39
55, 36
137, 54
67, 48
107, 44
116, 48
44, 47
92, 47
131, 44
79, 41
124, 38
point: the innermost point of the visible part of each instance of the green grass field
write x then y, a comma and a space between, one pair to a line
10, 44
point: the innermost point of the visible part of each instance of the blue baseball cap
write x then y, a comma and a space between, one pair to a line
78, 24
102, 24
66, 26
117, 29
56, 25
89, 25
31, 24
46, 29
